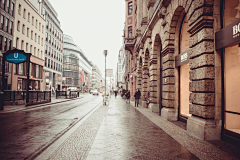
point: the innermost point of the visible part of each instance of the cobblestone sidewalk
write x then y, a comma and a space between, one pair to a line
121, 131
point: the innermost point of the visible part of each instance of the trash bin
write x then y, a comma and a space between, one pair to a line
1, 100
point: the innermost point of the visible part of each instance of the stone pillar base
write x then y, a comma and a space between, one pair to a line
154, 107
169, 114
205, 129
144, 104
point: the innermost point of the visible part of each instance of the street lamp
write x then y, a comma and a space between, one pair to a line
105, 54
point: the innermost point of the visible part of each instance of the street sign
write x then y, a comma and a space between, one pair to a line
109, 72
16, 57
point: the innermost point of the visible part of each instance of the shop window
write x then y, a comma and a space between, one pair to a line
184, 71
232, 73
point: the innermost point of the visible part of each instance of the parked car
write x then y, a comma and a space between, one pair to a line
95, 92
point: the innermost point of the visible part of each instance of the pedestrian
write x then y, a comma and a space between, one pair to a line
147, 97
137, 96
116, 92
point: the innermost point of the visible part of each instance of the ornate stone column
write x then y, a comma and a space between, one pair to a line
202, 124
145, 82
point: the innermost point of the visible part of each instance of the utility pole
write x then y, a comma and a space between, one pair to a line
105, 54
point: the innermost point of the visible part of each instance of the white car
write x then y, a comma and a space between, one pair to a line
95, 92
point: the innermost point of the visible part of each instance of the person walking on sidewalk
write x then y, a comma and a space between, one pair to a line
137, 96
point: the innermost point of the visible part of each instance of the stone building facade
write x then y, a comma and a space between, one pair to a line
29, 32
7, 13
177, 60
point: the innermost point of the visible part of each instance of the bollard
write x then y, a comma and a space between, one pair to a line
1, 100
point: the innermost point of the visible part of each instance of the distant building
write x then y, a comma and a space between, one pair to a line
53, 48
7, 13
71, 58
29, 31
96, 78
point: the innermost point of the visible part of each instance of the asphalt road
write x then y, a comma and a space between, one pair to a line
24, 133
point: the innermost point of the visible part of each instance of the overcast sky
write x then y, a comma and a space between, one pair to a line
94, 25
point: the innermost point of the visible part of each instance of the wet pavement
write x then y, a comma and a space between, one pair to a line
121, 131
25, 132
115, 131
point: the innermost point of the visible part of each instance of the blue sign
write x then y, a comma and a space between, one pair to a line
16, 58
103, 87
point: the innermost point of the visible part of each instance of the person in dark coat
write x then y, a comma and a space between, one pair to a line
137, 96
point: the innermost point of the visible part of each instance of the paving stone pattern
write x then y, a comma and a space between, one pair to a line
78, 144
119, 131
127, 134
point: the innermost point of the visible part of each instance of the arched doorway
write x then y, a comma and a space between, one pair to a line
156, 77
139, 77
182, 60
145, 77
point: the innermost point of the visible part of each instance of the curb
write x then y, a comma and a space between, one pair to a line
35, 106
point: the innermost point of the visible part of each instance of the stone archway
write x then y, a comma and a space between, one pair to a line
139, 77
145, 77
155, 75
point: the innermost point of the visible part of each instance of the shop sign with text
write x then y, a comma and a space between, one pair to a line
182, 58
228, 35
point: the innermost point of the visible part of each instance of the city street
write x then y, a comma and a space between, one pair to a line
115, 131
23, 133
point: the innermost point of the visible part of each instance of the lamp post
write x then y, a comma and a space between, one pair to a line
105, 54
